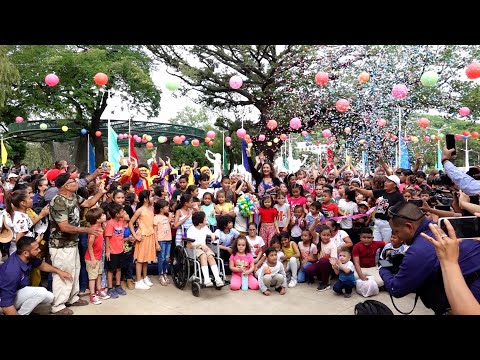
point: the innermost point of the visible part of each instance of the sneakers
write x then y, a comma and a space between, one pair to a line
147, 281
140, 285
130, 284
120, 291
323, 287
123, 284
292, 283
94, 300
219, 283
347, 295
102, 295
112, 293
209, 283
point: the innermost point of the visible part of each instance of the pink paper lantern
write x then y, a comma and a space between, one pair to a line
423, 122
321, 78
272, 124
283, 137
211, 134
228, 144
464, 111
473, 70
342, 105
51, 80
426, 138
241, 133
236, 82
100, 79
295, 123
228, 139
399, 91
326, 133
18, 119
261, 137
381, 122
195, 142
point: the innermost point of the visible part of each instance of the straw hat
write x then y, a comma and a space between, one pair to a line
6, 234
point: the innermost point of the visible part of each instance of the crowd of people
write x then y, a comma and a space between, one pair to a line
68, 234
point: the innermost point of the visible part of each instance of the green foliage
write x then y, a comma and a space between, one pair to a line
8, 75
190, 116
37, 155
16, 150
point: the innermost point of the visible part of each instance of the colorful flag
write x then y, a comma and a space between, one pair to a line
133, 153
4, 154
113, 150
404, 158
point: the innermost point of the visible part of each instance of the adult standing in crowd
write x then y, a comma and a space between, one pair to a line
63, 242
265, 180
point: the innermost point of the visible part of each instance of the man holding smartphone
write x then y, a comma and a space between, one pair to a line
466, 183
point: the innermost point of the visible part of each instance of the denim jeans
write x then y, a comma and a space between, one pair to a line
163, 256
348, 285
82, 249
301, 273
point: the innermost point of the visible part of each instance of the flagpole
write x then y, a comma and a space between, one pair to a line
108, 128
88, 152
129, 136
399, 136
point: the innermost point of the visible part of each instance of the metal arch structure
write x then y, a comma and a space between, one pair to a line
30, 130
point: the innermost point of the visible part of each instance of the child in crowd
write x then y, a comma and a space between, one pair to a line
163, 236
255, 242
329, 209
283, 209
322, 268
394, 247
127, 261
93, 256
182, 187
298, 223
204, 181
183, 217
225, 235
318, 193
226, 188
241, 263
315, 215
309, 200
360, 223
291, 259
268, 217
364, 257
272, 274
114, 249
347, 207
208, 207
308, 254
296, 197
223, 207
345, 270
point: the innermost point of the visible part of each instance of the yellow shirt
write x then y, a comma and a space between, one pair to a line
290, 251
225, 207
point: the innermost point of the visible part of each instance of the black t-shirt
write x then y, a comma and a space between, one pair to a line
389, 199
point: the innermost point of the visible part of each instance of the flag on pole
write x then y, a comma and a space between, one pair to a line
4, 154
113, 150
91, 158
404, 158
133, 153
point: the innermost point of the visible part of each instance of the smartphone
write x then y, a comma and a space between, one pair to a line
417, 202
450, 140
385, 263
466, 227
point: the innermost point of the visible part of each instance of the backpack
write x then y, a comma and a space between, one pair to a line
372, 307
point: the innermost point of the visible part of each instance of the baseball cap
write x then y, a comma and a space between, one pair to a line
52, 174
395, 179
12, 175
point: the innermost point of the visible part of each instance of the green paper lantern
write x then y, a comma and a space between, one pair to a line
429, 78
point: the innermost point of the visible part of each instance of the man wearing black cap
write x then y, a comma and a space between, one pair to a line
63, 242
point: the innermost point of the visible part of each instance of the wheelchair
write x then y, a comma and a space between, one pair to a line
186, 268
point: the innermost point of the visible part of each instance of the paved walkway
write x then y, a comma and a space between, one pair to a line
301, 300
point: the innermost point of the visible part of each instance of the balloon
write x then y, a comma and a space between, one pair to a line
381, 122
149, 138
100, 79
304, 133
51, 79
321, 78
149, 145
326, 133
464, 111
307, 138
423, 122
414, 139
211, 134
125, 135
228, 144
295, 123
426, 138
473, 70
177, 140
138, 139
283, 137
186, 142
241, 133
236, 82
276, 140
98, 133
182, 137
228, 139
261, 137
247, 138
210, 143
162, 139
387, 136
362, 141
465, 137
195, 142
129, 136
429, 78
342, 105
18, 119
475, 134
172, 85
207, 139
466, 132
364, 77
347, 130
43, 126
458, 137
441, 136
272, 124
83, 131
269, 143
120, 137
64, 128
399, 91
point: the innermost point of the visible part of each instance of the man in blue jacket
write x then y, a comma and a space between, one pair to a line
419, 271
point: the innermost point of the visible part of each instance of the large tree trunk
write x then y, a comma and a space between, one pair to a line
81, 155
97, 140
164, 150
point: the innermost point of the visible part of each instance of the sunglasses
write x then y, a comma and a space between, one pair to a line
392, 214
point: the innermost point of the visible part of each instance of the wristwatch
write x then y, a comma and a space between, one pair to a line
443, 161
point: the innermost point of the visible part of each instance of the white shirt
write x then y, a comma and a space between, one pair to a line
348, 208
255, 245
198, 234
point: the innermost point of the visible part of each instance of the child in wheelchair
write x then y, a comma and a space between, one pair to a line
199, 232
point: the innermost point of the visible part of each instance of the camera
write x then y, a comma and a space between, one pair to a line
392, 261
442, 180
439, 195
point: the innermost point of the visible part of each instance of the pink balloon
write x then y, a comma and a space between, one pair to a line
321, 78
177, 140
211, 134
473, 70
120, 136
304, 133
138, 140
342, 105
423, 122
261, 137
241, 133
100, 79
458, 137
236, 82
295, 123
464, 111
326, 133
399, 91
272, 124
381, 122
51, 80
426, 138
283, 137
18, 119
129, 136
387, 136
228, 139
228, 144
182, 137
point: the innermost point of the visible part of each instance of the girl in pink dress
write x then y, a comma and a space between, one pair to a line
242, 264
